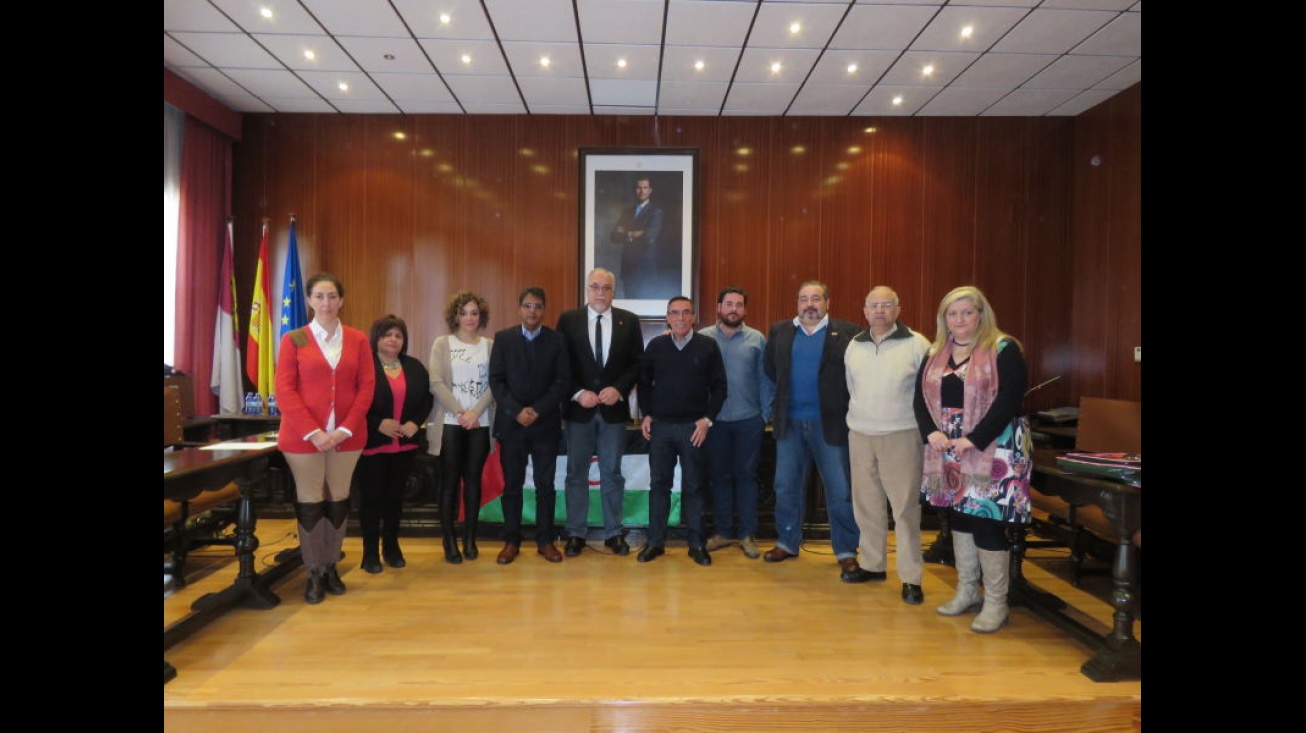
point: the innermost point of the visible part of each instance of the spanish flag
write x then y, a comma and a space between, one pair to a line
259, 352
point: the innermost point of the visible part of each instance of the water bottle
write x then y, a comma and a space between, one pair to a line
272, 404
249, 403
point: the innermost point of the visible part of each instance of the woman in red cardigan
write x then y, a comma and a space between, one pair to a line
325, 381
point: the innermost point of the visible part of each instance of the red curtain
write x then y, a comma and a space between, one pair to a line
205, 202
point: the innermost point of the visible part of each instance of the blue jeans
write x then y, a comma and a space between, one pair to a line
734, 449
803, 442
582, 440
667, 442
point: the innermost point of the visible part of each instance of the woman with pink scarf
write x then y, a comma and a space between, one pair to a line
979, 451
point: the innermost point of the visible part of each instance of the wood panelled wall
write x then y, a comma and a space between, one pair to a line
405, 210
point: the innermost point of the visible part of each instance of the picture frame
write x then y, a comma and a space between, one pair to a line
652, 250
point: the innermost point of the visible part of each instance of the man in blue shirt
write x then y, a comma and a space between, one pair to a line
734, 445
804, 357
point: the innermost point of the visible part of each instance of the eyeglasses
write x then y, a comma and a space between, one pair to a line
878, 306
533, 306
596, 288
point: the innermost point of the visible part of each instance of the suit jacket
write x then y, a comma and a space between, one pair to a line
621, 370
832, 381
418, 401
516, 386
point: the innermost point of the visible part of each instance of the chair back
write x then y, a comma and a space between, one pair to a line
1108, 426
173, 434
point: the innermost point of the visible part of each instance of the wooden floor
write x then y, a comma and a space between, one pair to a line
601, 643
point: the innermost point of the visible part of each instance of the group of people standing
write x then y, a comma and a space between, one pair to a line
890, 418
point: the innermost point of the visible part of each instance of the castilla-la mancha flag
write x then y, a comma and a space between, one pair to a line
225, 381
259, 356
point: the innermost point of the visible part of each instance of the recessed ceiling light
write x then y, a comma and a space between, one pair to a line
621, 63
544, 61
929, 69
343, 86
795, 27
775, 67
389, 57
852, 68
444, 19
265, 12
967, 31
467, 59
308, 54
897, 100
699, 65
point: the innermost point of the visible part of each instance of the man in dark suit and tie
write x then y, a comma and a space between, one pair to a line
605, 345
648, 266
530, 374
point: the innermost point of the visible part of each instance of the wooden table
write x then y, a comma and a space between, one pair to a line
1118, 655
186, 474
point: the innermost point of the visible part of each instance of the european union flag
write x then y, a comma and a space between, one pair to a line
294, 302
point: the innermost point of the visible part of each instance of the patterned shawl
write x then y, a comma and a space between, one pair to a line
981, 389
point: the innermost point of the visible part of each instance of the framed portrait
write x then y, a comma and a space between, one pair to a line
639, 219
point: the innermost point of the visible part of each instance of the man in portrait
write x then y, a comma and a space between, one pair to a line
650, 253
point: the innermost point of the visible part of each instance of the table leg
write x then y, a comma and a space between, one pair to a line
1121, 658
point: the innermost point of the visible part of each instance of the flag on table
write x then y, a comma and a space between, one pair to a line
225, 382
258, 347
294, 303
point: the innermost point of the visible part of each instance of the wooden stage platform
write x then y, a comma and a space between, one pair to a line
604, 644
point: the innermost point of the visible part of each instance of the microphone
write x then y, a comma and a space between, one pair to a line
1041, 385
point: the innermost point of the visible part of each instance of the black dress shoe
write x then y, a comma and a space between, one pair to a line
649, 553
700, 556
372, 564
393, 557
574, 546
618, 545
913, 594
854, 573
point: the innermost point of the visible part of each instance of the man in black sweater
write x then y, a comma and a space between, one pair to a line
682, 385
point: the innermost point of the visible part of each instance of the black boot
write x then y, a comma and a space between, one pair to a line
371, 557
334, 585
390, 551
469, 539
316, 590
448, 514
451, 553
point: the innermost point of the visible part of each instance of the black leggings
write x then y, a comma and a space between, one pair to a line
989, 534
462, 457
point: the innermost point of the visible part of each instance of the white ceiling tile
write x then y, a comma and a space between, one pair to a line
833, 67
619, 93
269, 85
542, 90
301, 105
358, 17
550, 21
480, 91
795, 63
195, 15
958, 102
634, 22
641, 61
371, 53
289, 50
486, 58
288, 16
1052, 31
1077, 72
678, 62
1082, 102
817, 22
428, 107
910, 68
467, 20
1030, 102
1006, 70
767, 99
828, 99
326, 83
177, 55
987, 24
1123, 79
882, 27
380, 106
709, 22
234, 50
692, 95
524, 59
414, 87
880, 101
1122, 37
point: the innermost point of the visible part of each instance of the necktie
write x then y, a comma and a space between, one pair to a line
598, 340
